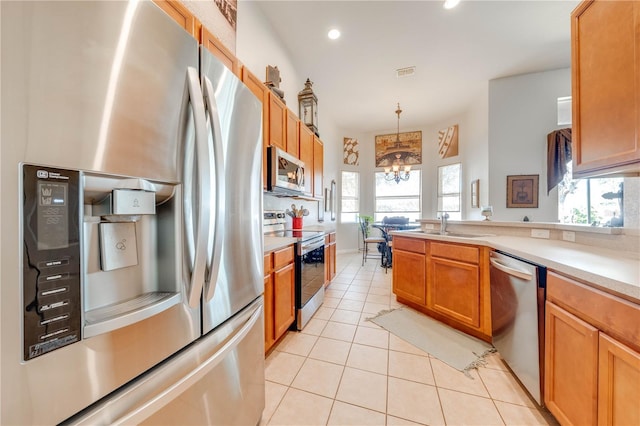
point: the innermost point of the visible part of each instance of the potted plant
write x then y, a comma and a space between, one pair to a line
367, 220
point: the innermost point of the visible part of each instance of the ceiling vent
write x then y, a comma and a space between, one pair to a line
405, 72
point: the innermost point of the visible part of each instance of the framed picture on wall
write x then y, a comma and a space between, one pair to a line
522, 191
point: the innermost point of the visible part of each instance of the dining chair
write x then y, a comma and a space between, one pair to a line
367, 240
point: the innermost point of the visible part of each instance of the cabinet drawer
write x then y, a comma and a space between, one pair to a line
268, 264
282, 257
456, 252
617, 317
414, 245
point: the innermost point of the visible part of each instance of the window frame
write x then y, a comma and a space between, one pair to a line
355, 198
441, 195
379, 215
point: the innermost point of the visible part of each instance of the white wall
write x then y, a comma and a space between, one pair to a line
473, 154
522, 111
256, 47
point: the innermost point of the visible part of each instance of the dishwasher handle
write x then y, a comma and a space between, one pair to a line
523, 275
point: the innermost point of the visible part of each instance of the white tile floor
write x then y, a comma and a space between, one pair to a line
344, 370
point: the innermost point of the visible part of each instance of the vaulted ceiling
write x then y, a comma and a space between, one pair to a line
455, 53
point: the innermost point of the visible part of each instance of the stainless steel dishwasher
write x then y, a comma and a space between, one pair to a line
517, 317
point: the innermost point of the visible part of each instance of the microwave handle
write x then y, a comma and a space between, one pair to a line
218, 215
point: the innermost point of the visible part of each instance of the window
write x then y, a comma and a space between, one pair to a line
602, 196
449, 190
350, 202
398, 199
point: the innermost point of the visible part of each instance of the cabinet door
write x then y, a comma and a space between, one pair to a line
269, 331
293, 134
318, 167
618, 383
219, 50
306, 155
277, 113
180, 14
284, 297
606, 96
409, 276
332, 262
571, 367
454, 290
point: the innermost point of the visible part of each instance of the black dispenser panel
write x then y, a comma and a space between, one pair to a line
51, 260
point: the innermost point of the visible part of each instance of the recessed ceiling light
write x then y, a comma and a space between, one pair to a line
450, 4
333, 34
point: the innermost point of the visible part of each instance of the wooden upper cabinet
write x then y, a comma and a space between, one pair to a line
306, 155
277, 122
318, 167
605, 64
293, 134
215, 46
181, 15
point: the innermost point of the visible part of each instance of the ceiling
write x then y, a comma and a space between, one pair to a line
455, 52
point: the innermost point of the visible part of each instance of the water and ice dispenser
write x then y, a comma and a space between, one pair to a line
100, 253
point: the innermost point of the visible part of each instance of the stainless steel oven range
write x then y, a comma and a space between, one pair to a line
309, 265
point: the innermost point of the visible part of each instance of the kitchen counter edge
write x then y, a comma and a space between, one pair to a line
603, 268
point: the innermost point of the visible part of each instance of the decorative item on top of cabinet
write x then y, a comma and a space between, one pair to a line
273, 82
215, 46
308, 107
605, 77
181, 15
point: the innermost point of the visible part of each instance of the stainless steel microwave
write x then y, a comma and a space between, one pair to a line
285, 173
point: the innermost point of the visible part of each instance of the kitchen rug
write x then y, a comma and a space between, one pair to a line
459, 350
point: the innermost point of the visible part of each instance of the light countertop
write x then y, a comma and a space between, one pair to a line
607, 269
275, 243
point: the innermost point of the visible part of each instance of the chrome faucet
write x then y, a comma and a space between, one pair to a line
443, 222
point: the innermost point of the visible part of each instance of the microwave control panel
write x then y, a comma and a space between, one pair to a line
51, 259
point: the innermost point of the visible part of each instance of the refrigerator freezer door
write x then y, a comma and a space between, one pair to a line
217, 381
91, 86
239, 277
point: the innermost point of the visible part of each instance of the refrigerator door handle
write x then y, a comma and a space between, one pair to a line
213, 260
160, 400
203, 231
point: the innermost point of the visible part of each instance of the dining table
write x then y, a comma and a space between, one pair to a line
385, 247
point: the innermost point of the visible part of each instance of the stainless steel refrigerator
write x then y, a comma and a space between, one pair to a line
131, 222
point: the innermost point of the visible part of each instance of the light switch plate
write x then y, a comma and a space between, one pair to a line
118, 248
540, 233
569, 236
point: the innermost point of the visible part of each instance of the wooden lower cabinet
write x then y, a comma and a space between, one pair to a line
571, 369
592, 355
279, 295
618, 383
409, 270
329, 257
454, 290
447, 281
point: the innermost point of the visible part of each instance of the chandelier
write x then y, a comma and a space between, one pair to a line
397, 163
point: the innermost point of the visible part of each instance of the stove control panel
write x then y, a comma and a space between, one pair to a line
51, 259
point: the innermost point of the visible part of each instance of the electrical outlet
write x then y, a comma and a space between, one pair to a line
569, 236
540, 233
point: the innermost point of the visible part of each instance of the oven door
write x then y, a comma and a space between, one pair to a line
309, 280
